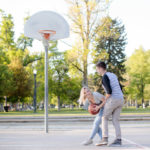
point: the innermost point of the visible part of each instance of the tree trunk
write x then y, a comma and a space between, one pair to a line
5, 100
85, 74
58, 102
143, 104
85, 80
22, 106
142, 92
136, 104
16, 107
1, 107
72, 106
130, 103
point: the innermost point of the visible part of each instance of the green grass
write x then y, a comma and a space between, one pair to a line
66, 111
63, 111
136, 111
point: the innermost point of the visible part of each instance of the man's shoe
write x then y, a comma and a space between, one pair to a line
87, 142
104, 141
116, 142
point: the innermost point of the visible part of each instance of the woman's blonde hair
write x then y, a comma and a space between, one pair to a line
82, 97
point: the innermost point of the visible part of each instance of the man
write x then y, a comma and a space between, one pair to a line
113, 104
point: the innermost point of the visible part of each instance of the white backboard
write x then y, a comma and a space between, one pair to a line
46, 20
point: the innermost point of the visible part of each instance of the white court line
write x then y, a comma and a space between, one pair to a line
131, 142
139, 145
25, 145
16, 145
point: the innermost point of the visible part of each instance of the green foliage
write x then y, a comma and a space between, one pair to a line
74, 59
63, 89
6, 32
67, 71
5, 80
24, 42
59, 69
73, 87
138, 71
15, 78
84, 16
110, 46
22, 81
95, 83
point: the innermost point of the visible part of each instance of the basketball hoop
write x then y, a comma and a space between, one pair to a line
47, 33
37, 27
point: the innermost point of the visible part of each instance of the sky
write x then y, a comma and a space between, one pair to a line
134, 14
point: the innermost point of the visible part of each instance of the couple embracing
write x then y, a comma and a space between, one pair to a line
108, 105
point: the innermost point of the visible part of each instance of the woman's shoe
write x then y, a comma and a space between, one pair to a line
87, 142
104, 141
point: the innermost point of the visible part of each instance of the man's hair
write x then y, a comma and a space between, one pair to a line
101, 64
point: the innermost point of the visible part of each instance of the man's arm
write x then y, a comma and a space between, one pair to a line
106, 84
103, 102
120, 86
107, 96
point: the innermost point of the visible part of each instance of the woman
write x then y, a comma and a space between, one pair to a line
87, 97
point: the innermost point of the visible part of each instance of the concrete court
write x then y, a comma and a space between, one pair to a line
69, 136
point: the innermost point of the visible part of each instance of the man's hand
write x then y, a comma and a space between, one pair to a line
103, 102
103, 99
97, 108
107, 96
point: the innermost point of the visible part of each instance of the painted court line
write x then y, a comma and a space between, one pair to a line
16, 145
138, 145
134, 143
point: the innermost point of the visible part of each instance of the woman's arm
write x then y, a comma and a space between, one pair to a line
101, 98
103, 103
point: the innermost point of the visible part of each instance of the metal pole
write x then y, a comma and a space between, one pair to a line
34, 93
46, 86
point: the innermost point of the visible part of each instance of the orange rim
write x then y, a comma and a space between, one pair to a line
47, 33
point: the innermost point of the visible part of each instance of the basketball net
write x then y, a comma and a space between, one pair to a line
46, 34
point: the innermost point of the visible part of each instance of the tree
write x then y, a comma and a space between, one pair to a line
15, 59
110, 45
6, 44
72, 89
63, 88
22, 82
23, 43
59, 69
139, 73
84, 15
6, 32
95, 82
6, 80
